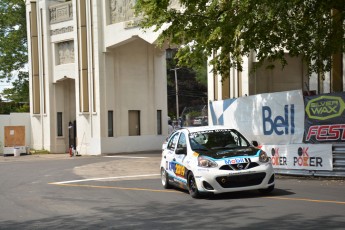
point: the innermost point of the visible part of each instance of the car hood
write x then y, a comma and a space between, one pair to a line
234, 152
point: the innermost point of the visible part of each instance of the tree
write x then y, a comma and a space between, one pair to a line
228, 30
191, 91
20, 90
13, 39
192, 85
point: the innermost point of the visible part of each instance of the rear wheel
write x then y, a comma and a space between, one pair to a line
267, 190
165, 178
192, 187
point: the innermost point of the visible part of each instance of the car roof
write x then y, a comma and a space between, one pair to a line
204, 128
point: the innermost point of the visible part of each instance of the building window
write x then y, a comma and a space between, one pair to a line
110, 123
59, 124
134, 122
159, 122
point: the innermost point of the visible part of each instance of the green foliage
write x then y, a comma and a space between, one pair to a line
14, 56
5, 107
10, 107
20, 91
201, 73
24, 108
228, 30
194, 113
199, 69
13, 38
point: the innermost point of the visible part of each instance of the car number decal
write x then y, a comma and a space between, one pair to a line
178, 169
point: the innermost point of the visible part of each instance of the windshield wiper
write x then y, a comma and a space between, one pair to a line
234, 147
199, 149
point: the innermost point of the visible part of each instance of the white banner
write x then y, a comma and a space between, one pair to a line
271, 118
301, 156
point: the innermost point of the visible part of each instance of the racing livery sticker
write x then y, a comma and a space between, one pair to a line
178, 169
233, 161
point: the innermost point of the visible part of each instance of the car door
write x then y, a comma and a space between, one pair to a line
169, 151
176, 165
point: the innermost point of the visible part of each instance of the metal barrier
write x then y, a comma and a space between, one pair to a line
338, 151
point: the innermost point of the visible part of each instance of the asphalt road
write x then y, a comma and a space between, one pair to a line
125, 192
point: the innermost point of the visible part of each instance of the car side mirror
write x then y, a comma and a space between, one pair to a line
164, 146
181, 151
255, 143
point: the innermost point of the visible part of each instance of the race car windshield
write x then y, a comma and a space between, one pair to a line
217, 139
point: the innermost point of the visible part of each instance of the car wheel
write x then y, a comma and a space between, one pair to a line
165, 178
267, 190
192, 187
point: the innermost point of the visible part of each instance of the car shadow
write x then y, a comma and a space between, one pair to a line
240, 195
248, 194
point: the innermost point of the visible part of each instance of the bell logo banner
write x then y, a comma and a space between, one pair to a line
269, 118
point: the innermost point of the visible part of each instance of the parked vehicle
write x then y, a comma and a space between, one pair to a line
215, 160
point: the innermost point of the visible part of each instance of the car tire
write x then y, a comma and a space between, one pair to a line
267, 190
192, 187
165, 179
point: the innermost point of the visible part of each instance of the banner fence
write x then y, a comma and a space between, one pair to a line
300, 130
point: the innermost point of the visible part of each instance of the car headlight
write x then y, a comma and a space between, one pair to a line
263, 157
206, 162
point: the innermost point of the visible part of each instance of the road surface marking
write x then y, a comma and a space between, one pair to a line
119, 188
127, 157
103, 178
70, 184
307, 200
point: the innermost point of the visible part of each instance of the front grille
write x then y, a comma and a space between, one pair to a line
238, 181
237, 166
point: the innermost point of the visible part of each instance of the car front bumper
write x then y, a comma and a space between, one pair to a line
221, 181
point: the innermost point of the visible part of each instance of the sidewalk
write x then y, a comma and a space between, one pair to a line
120, 165
28, 157
42, 156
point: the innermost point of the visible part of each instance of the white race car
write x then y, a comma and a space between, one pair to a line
214, 159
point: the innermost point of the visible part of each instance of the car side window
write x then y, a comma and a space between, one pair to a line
173, 141
182, 141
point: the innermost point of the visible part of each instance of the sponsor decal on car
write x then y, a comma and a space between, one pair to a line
233, 161
202, 170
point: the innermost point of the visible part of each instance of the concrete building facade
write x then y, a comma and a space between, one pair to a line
97, 81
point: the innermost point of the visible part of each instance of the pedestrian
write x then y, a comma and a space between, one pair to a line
170, 127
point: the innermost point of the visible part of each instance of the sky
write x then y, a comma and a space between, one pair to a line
4, 85
4, 82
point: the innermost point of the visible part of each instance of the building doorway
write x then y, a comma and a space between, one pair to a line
134, 122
